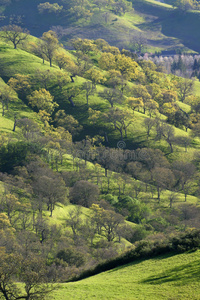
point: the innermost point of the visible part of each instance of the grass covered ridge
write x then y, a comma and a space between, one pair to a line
164, 277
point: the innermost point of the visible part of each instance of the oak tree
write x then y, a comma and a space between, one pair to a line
49, 45
84, 193
42, 100
15, 34
89, 89
112, 96
6, 96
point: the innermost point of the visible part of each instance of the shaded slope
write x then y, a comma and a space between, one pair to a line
117, 30
173, 23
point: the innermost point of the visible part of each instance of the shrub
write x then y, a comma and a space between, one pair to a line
12, 155
71, 256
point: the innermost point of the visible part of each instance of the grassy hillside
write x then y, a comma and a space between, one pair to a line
16, 61
119, 192
173, 23
173, 277
159, 23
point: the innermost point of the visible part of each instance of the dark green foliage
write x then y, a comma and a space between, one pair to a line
13, 155
186, 242
179, 119
71, 256
159, 224
179, 65
138, 234
136, 211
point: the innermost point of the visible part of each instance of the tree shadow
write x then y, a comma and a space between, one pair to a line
183, 275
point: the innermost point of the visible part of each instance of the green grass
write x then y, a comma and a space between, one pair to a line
184, 106
6, 124
166, 277
15, 107
159, 3
197, 87
17, 61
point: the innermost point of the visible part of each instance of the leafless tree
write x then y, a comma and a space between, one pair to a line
15, 34
84, 193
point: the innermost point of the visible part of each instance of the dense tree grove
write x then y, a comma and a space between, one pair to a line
184, 5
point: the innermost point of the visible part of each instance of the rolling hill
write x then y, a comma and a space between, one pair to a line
128, 186
164, 28
166, 277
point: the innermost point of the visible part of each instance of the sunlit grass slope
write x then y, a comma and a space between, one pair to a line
19, 61
14, 61
174, 277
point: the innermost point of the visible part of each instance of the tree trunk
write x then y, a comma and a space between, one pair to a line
171, 201
171, 149
119, 190
3, 109
71, 101
125, 129
185, 196
106, 172
158, 190
4, 293
72, 78
51, 208
106, 137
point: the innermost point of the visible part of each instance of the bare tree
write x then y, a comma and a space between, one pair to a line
163, 178
49, 188
184, 172
173, 196
149, 123
74, 220
6, 95
120, 119
30, 128
185, 88
139, 43
111, 222
166, 132
113, 96
183, 141
14, 34
89, 89
84, 193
